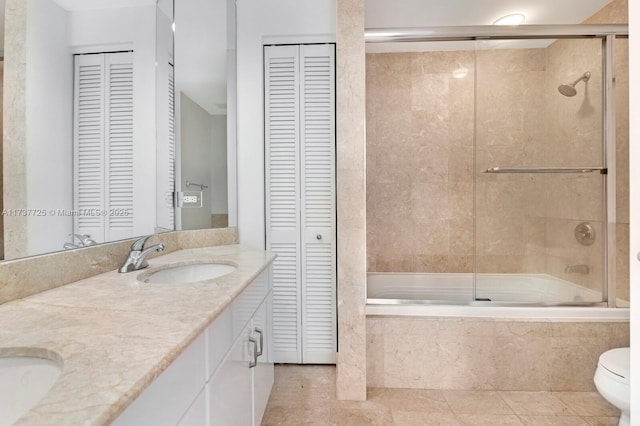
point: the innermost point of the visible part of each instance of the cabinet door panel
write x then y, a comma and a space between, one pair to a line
230, 396
219, 340
197, 413
166, 400
263, 371
246, 304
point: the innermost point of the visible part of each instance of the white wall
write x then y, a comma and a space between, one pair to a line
49, 104
196, 145
218, 164
296, 21
634, 196
129, 29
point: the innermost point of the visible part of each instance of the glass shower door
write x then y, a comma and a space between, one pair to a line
539, 160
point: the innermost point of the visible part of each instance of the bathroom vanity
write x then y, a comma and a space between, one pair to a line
137, 353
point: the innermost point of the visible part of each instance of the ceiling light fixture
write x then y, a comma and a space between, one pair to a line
511, 19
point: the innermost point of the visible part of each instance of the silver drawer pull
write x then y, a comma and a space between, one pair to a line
318, 237
259, 331
254, 352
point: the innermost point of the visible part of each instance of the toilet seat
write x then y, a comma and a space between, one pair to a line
616, 364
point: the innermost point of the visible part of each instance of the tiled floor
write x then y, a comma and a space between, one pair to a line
306, 395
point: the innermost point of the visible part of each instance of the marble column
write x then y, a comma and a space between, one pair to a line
351, 377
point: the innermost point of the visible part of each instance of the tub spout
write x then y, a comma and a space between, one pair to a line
577, 269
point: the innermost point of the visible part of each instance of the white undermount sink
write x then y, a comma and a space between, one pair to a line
185, 274
24, 381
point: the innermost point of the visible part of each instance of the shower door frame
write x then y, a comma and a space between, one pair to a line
608, 34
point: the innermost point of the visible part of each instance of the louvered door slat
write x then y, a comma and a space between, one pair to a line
282, 198
318, 203
88, 147
300, 176
120, 183
103, 145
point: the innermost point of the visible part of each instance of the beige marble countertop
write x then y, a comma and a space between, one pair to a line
114, 334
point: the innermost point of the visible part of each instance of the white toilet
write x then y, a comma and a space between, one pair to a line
612, 381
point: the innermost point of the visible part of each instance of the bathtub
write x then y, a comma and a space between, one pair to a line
518, 296
424, 331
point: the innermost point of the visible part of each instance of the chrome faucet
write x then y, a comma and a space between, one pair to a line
137, 258
578, 269
85, 240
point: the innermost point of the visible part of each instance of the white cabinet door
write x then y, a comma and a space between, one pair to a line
263, 371
230, 399
167, 399
197, 413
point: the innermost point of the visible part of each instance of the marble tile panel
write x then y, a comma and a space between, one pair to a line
500, 263
415, 400
488, 420
430, 94
375, 359
462, 363
462, 264
574, 361
351, 372
602, 421
535, 403
386, 263
553, 421
356, 416
443, 62
476, 402
419, 418
405, 357
522, 362
277, 415
423, 263
588, 404
514, 61
622, 261
614, 12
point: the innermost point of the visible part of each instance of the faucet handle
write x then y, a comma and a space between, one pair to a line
85, 240
138, 244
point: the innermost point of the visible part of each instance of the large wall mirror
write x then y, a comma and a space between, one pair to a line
204, 93
107, 118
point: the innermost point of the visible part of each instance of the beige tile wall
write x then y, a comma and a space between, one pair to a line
455, 353
420, 162
420, 159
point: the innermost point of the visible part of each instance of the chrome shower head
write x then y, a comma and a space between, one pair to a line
570, 89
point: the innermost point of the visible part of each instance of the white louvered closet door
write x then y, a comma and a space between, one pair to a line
300, 176
318, 207
103, 146
166, 149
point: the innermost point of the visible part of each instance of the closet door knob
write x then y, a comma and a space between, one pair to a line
318, 237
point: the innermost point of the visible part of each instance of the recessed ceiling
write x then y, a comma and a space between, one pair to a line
437, 13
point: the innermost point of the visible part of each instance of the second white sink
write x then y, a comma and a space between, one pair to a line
24, 381
185, 274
